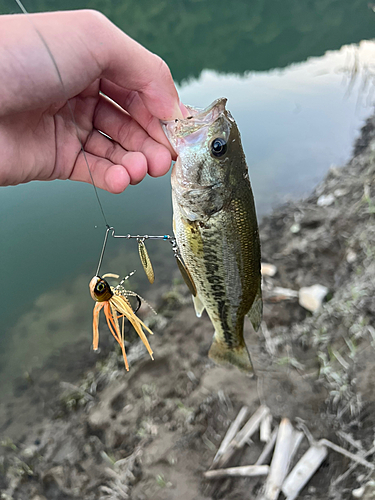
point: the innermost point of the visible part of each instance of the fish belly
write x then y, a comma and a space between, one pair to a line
223, 256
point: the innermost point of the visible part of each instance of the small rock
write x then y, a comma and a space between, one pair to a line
280, 293
351, 257
358, 493
334, 170
311, 297
325, 200
30, 452
295, 228
340, 192
369, 493
99, 418
268, 269
56, 478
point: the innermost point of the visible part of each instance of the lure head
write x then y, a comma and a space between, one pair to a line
100, 290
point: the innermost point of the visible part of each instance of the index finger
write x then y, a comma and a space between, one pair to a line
132, 102
130, 65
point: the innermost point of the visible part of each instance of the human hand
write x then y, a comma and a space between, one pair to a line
38, 137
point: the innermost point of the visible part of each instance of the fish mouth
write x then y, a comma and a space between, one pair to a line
193, 125
207, 115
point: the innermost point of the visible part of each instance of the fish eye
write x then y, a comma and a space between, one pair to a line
219, 147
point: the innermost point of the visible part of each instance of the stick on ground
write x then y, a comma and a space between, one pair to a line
343, 451
231, 432
280, 461
243, 436
303, 471
245, 470
267, 450
265, 428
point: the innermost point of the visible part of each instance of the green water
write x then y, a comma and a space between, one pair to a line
287, 77
230, 37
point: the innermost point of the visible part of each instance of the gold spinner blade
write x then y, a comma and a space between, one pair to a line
146, 262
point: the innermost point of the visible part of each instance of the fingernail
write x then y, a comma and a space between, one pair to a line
185, 112
178, 111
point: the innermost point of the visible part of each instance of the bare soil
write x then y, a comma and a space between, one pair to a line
91, 431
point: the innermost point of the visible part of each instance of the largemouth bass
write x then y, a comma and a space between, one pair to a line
215, 226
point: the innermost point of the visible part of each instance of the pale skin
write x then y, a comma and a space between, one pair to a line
38, 137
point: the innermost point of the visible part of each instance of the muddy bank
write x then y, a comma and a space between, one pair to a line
152, 432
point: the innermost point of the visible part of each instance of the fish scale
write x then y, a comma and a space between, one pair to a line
215, 226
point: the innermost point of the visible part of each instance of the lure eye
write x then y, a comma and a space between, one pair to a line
100, 290
101, 287
219, 147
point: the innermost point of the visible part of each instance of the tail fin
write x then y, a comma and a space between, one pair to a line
237, 356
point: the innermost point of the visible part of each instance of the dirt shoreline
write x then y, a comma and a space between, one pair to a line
152, 432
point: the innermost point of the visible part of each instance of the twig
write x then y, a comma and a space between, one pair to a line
303, 427
251, 426
245, 470
265, 428
267, 450
280, 461
338, 449
296, 441
280, 293
242, 437
334, 447
303, 471
340, 359
231, 432
348, 438
352, 467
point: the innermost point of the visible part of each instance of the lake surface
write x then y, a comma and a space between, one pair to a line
299, 83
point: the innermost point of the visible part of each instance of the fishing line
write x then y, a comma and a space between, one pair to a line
109, 229
21, 6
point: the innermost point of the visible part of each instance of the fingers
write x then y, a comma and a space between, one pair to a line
121, 127
106, 175
84, 45
102, 147
112, 167
131, 101
129, 65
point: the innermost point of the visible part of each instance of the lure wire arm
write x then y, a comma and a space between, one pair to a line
111, 229
103, 249
165, 237
140, 238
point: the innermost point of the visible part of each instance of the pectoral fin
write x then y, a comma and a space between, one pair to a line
185, 273
198, 306
256, 311
237, 356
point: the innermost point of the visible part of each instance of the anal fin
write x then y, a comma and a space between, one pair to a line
198, 306
256, 311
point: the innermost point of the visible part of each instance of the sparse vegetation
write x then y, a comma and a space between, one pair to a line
149, 433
